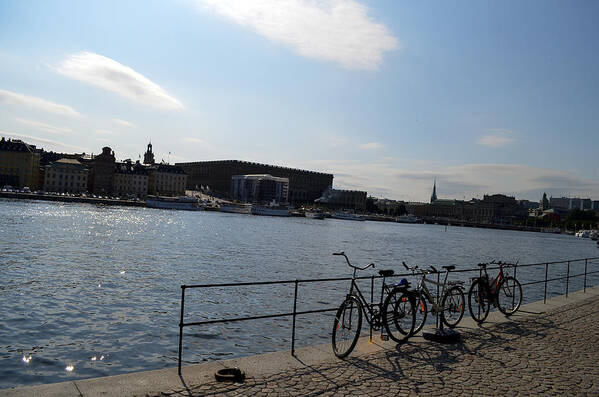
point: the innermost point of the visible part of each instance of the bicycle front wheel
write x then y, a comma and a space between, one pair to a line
346, 327
478, 301
453, 306
399, 315
509, 296
421, 310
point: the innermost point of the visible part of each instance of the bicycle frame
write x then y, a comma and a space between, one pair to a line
423, 289
368, 309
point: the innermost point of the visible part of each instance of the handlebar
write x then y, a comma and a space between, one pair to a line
350, 265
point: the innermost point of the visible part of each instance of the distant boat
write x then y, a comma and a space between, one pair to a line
314, 214
270, 210
187, 203
408, 218
348, 216
236, 208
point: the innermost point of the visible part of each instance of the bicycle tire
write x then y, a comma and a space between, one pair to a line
454, 306
399, 314
478, 300
421, 310
346, 328
509, 289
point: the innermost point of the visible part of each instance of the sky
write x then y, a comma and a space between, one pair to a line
484, 96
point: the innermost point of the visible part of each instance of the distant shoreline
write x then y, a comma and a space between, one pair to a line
70, 199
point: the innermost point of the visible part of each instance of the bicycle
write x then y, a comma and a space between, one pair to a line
395, 313
449, 303
504, 292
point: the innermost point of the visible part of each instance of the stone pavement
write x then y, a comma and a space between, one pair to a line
555, 353
550, 349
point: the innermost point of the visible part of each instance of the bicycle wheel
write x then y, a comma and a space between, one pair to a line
509, 296
453, 306
399, 315
346, 327
421, 311
478, 301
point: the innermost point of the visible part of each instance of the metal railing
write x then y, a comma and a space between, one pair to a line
294, 313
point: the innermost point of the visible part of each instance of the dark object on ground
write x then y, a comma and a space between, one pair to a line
229, 375
442, 336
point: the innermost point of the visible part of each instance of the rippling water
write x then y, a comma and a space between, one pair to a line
89, 290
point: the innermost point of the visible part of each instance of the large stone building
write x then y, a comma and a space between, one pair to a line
65, 176
19, 164
304, 186
259, 188
101, 179
166, 180
131, 179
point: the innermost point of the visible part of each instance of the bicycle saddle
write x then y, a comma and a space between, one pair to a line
483, 265
448, 268
386, 273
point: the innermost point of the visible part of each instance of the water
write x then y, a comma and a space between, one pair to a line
89, 290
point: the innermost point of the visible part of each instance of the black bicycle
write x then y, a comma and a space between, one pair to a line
394, 311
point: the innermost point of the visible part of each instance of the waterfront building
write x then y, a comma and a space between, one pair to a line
343, 199
19, 164
101, 176
570, 203
259, 188
131, 179
166, 180
65, 176
434, 194
304, 186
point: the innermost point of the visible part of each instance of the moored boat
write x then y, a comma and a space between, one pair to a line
187, 203
314, 214
408, 218
348, 216
236, 208
270, 210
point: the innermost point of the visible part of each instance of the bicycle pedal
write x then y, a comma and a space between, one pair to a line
384, 337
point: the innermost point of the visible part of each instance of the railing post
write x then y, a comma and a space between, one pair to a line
586, 261
546, 272
181, 328
294, 315
568, 279
372, 302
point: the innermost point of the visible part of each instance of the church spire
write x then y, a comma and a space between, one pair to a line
434, 195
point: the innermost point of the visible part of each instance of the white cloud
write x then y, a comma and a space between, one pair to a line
110, 75
332, 30
13, 98
38, 125
54, 145
193, 140
104, 132
372, 146
497, 138
124, 123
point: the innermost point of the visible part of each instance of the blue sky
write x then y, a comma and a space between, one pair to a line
487, 97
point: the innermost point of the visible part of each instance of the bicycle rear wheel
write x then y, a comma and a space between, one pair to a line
478, 301
399, 315
509, 296
346, 327
453, 306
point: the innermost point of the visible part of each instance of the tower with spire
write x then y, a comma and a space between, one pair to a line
434, 195
148, 155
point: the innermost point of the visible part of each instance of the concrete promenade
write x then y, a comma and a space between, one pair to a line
550, 349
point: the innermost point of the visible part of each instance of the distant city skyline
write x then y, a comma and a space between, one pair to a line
387, 96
